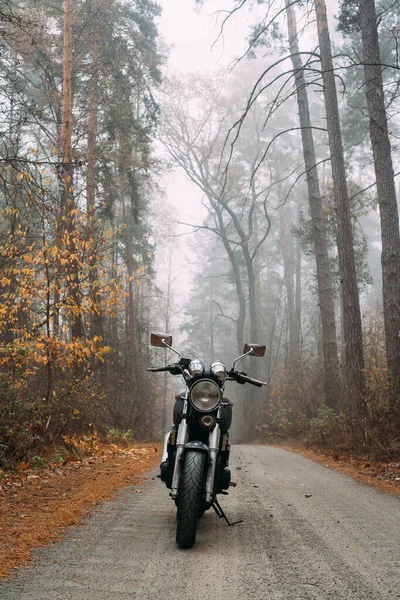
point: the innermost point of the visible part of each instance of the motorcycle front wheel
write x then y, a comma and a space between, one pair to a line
190, 498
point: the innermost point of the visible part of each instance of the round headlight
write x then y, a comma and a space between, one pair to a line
219, 370
205, 395
196, 367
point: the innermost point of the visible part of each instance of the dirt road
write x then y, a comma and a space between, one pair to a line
308, 533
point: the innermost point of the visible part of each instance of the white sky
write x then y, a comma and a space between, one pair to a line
190, 30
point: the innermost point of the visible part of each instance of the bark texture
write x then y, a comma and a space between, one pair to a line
352, 326
386, 190
288, 257
96, 324
325, 291
132, 344
68, 179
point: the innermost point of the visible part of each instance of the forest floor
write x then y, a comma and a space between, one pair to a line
37, 506
380, 474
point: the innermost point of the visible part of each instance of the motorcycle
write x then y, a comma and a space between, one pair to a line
195, 459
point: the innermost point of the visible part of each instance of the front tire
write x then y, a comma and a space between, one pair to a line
190, 498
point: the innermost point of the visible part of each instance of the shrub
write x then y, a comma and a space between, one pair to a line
121, 438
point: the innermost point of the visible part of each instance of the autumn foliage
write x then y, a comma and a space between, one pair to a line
75, 249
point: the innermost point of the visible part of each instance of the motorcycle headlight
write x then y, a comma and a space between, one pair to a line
205, 395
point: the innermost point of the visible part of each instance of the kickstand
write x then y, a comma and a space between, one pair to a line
220, 513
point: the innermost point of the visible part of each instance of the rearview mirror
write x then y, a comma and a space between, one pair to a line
254, 350
161, 339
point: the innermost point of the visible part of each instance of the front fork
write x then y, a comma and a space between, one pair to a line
181, 441
213, 447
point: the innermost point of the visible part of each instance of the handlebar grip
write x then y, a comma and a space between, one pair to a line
254, 381
173, 369
242, 378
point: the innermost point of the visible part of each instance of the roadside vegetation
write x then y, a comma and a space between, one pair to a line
77, 122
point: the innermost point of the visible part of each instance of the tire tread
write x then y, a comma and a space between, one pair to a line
190, 496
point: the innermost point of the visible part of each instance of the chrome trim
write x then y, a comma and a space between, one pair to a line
181, 441
213, 439
218, 367
239, 357
196, 367
224, 442
164, 454
163, 341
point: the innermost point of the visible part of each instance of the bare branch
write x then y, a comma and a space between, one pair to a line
222, 313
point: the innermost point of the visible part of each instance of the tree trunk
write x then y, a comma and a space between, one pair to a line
167, 320
60, 232
96, 325
298, 336
325, 290
354, 366
254, 329
257, 266
292, 350
68, 179
212, 352
132, 347
386, 190
241, 298
240, 321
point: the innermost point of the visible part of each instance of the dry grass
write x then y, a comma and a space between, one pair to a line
383, 475
36, 507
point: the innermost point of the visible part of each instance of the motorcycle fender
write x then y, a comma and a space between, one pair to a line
197, 446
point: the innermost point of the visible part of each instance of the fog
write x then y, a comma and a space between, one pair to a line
221, 171
252, 174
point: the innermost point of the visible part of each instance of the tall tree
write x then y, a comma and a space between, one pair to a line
325, 290
96, 322
352, 325
379, 134
68, 212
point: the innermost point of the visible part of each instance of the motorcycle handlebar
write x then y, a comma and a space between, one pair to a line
242, 378
173, 369
255, 381
239, 377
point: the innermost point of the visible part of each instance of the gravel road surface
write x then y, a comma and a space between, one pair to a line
308, 533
